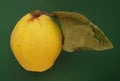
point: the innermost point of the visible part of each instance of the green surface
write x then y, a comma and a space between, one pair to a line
77, 66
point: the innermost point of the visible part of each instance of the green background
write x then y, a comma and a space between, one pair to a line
77, 66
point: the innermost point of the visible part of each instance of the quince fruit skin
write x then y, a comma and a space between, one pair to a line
36, 41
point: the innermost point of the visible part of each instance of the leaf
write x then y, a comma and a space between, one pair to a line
80, 33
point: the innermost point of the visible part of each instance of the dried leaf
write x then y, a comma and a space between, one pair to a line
80, 33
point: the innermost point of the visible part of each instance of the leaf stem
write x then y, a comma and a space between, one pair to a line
37, 13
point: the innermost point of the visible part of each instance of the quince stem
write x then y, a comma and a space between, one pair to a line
37, 13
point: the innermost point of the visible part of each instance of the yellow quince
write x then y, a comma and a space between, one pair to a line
36, 41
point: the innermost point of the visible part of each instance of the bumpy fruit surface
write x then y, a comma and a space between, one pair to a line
36, 41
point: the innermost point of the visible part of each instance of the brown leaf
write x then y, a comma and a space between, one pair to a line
80, 33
